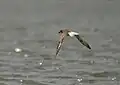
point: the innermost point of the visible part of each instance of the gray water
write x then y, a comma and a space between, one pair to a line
33, 25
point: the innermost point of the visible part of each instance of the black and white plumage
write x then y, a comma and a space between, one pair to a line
75, 34
67, 32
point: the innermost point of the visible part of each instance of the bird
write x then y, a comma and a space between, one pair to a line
69, 33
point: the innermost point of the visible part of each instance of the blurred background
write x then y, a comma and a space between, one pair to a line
29, 35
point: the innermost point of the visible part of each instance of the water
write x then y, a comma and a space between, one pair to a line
31, 26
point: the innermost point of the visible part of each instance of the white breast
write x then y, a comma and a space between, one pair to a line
72, 34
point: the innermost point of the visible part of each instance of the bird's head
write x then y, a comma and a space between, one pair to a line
61, 31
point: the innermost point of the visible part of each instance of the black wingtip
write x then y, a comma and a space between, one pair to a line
89, 47
83, 42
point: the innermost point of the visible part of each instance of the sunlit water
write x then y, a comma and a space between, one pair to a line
28, 38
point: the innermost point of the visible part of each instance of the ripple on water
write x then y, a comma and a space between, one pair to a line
32, 82
104, 74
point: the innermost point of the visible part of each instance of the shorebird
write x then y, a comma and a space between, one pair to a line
68, 32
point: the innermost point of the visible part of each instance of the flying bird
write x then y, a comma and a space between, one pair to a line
68, 32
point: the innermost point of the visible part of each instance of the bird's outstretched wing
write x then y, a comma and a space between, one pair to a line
59, 46
83, 41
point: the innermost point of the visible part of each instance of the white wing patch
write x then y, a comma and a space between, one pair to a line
59, 45
72, 34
